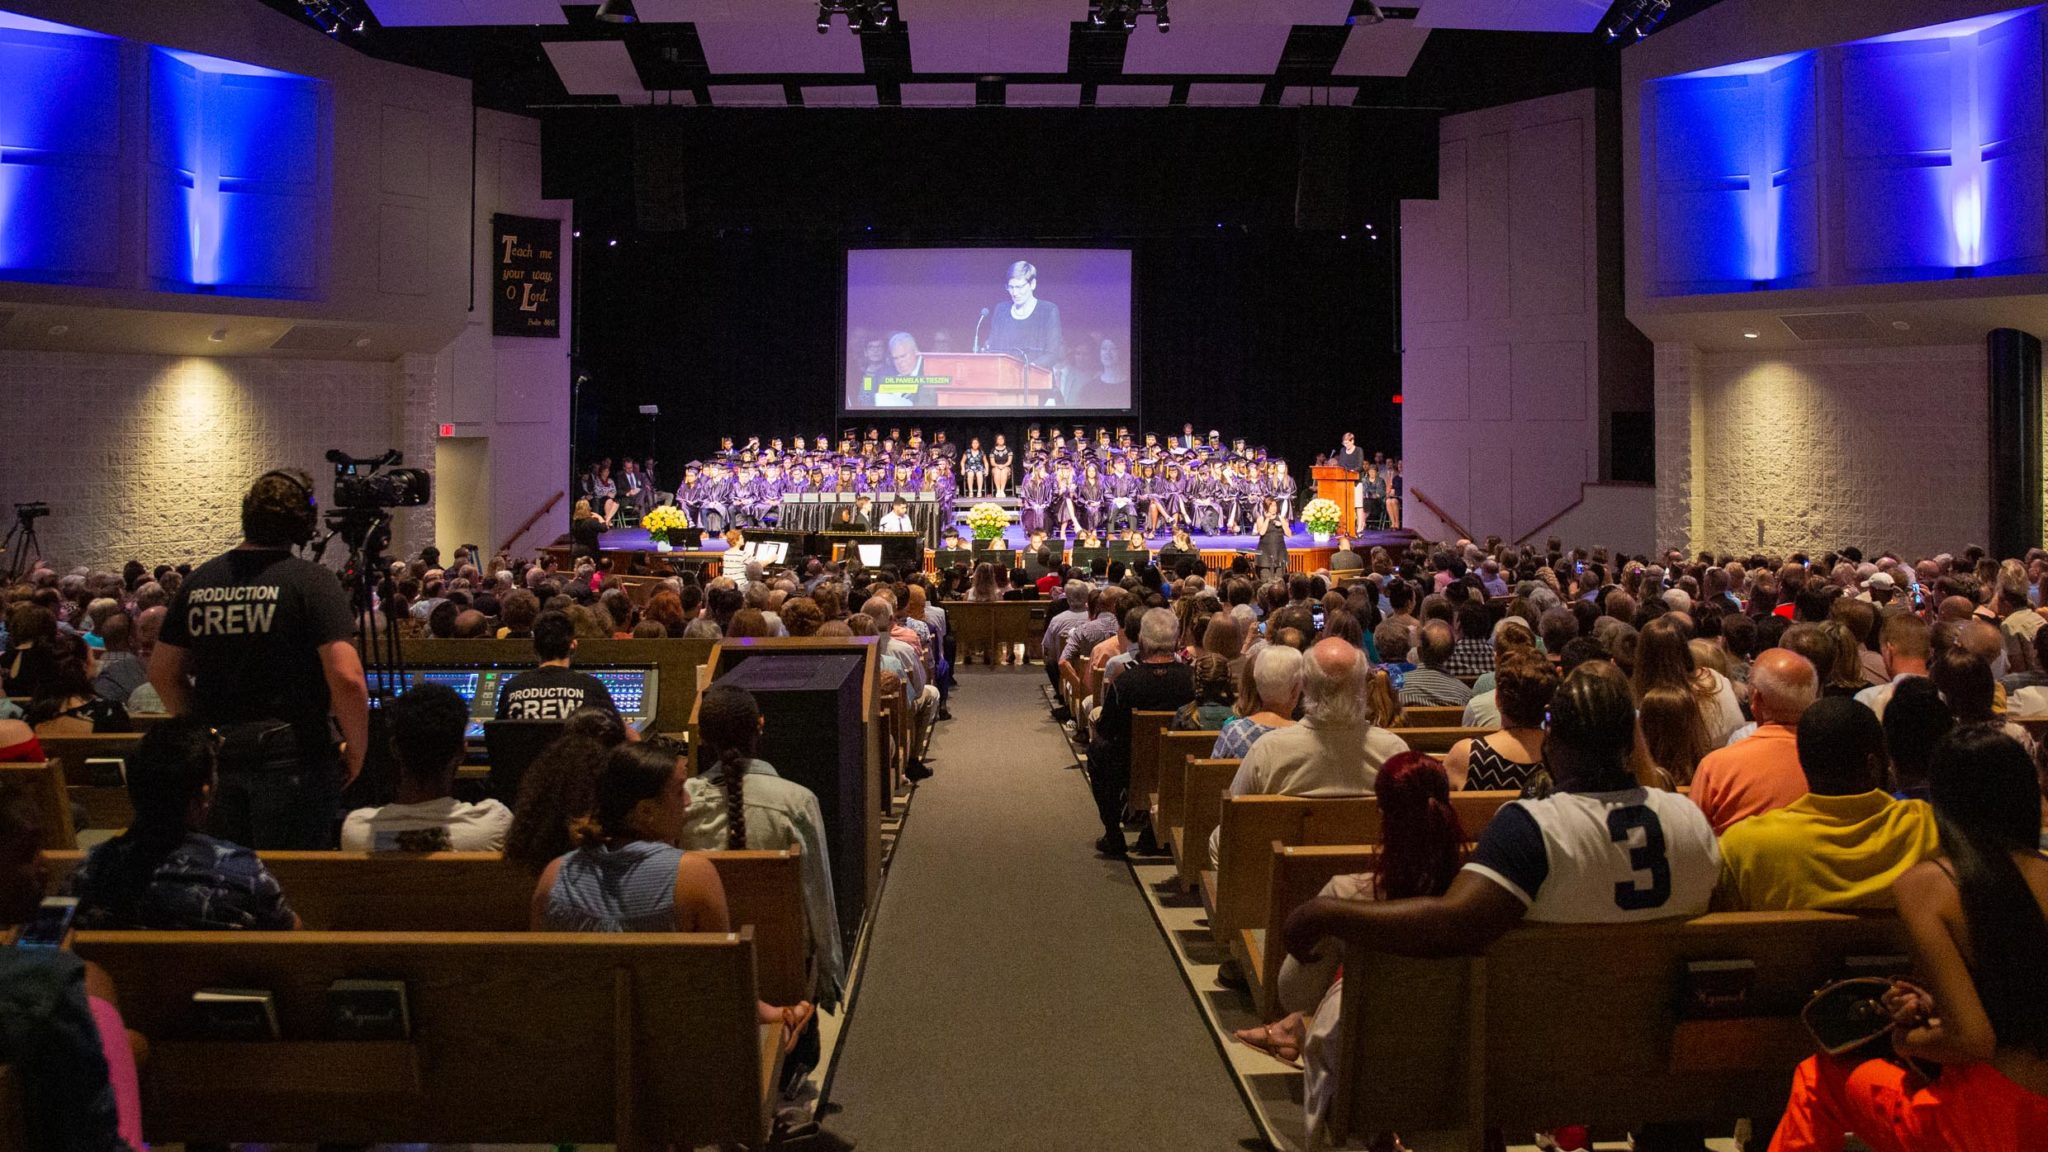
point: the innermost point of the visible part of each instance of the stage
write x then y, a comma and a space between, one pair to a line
621, 548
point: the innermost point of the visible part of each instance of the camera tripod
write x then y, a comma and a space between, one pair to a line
19, 546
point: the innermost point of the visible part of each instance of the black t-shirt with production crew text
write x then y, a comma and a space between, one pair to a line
551, 693
254, 621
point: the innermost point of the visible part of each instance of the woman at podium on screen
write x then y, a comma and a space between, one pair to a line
1024, 324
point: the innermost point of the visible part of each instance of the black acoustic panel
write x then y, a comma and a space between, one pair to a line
1322, 190
2016, 413
658, 157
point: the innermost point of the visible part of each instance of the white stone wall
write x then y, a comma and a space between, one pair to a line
1879, 447
147, 457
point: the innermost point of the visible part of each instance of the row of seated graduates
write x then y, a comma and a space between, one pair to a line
1478, 1021
414, 916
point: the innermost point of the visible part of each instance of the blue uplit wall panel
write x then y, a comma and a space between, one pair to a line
1942, 151
1734, 152
238, 177
60, 153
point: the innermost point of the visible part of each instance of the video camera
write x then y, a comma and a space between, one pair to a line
365, 482
34, 510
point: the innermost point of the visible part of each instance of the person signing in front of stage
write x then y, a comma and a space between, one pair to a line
257, 645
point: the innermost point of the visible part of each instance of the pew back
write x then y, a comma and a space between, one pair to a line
1437, 741
1204, 784
638, 1040
44, 781
1432, 716
986, 627
105, 807
1251, 824
1473, 1042
1170, 776
1146, 729
1299, 873
484, 892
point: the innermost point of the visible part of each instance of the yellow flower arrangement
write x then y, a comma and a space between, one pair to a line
665, 524
987, 521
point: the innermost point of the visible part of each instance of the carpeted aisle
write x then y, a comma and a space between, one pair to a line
1017, 993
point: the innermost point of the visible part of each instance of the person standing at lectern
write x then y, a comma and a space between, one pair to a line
1351, 458
898, 519
1025, 325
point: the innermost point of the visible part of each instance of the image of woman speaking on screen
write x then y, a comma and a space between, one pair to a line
1026, 325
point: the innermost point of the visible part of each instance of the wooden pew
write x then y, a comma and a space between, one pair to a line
1299, 873
13, 1118
483, 892
1432, 716
105, 807
989, 627
1446, 1045
1235, 891
1203, 785
1437, 741
1170, 778
44, 780
1146, 730
1019, 622
638, 1040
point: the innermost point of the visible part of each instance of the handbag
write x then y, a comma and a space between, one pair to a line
1848, 1019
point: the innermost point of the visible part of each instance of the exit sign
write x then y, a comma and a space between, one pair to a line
447, 430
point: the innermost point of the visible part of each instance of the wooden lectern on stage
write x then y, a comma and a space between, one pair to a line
985, 380
1340, 486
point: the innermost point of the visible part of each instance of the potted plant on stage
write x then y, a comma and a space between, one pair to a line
1322, 517
665, 524
987, 521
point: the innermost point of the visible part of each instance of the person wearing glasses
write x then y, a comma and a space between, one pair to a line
1025, 324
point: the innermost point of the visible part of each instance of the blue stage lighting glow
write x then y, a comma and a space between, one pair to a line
60, 149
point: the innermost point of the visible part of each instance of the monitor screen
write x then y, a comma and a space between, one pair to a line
988, 329
631, 692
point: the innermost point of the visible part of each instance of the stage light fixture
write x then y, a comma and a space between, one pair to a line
617, 12
1371, 15
335, 16
1122, 15
1636, 19
861, 15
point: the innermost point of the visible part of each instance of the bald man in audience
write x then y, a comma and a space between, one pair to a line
1336, 750
471, 624
1430, 684
1762, 773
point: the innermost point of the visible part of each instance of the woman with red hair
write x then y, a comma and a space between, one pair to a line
1422, 846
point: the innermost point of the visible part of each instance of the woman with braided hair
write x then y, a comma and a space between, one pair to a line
738, 801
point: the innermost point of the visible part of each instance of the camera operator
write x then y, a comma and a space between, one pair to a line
258, 644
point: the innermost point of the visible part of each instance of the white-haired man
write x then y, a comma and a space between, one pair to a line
1157, 682
1336, 750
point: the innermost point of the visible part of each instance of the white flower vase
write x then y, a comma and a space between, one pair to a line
1321, 538
663, 545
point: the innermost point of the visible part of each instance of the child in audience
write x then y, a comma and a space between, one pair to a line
163, 873
1979, 925
626, 873
738, 801
428, 726
560, 787
1215, 692
61, 1033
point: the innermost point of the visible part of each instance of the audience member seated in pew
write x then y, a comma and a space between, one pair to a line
162, 873
1978, 921
1511, 759
1422, 845
1156, 682
1839, 847
1600, 849
626, 873
560, 787
1430, 683
1266, 699
427, 738
1761, 772
1910, 735
1215, 694
61, 1034
18, 743
738, 801
118, 673
553, 690
1336, 750
66, 704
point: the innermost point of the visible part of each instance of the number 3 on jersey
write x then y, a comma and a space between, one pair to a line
1645, 855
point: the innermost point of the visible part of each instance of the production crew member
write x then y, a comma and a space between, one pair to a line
257, 644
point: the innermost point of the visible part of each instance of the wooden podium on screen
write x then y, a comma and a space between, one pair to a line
1339, 486
986, 380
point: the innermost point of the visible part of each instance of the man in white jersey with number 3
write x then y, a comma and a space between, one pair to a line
1599, 850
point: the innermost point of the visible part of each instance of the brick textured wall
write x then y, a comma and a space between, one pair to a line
1679, 452
1881, 447
147, 457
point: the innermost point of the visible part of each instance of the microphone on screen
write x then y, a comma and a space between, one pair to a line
977, 329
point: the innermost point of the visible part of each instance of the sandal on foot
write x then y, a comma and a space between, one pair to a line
793, 1022
1274, 1041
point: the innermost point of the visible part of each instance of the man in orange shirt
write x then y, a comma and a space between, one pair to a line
1761, 773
